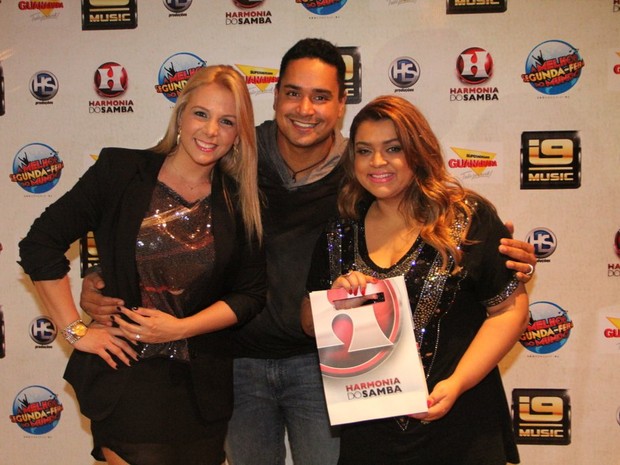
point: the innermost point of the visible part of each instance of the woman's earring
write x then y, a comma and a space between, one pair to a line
178, 136
235, 151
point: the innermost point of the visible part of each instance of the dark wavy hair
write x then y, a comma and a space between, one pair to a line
435, 199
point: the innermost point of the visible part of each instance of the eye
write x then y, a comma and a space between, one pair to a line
362, 151
292, 94
321, 98
395, 149
228, 122
200, 113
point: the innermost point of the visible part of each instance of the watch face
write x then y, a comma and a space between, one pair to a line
80, 330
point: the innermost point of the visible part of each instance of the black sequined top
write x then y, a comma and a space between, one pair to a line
175, 253
448, 309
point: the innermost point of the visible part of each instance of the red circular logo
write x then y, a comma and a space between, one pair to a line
110, 80
247, 4
474, 65
380, 324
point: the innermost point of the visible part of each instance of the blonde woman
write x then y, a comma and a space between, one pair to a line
178, 231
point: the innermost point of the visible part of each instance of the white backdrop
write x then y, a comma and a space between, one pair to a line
567, 385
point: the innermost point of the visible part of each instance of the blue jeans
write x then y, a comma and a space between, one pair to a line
275, 395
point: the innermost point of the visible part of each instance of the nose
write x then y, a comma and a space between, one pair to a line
211, 127
377, 159
305, 106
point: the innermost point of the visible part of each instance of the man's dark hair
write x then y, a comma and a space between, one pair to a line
320, 49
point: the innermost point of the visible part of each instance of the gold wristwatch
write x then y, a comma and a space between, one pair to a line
75, 331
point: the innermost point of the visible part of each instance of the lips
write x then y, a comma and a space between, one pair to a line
205, 145
381, 177
302, 125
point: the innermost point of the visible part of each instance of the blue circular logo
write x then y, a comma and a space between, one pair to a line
37, 168
43, 330
323, 7
43, 85
553, 67
36, 410
543, 240
548, 329
177, 6
404, 72
174, 73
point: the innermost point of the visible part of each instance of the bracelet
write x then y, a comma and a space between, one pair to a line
74, 331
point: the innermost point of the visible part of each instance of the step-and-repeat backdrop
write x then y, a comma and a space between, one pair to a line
523, 94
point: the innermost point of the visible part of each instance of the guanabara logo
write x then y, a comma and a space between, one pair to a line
553, 67
477, 161
376, 315
548, 329
37, 168
174, 73
259, 78
36, 410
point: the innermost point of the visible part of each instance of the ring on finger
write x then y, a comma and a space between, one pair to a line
137, 337
531, 272
348, 273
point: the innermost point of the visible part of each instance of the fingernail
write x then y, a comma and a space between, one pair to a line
118, 309
133, 309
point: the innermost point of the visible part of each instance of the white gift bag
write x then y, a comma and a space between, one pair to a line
369, 358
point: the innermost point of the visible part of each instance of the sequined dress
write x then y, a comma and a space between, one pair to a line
447, 311
175, 257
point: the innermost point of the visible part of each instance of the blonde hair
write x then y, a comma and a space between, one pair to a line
241, 162
434, 198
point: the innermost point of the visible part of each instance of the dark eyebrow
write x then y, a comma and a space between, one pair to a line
314, 90
386, 142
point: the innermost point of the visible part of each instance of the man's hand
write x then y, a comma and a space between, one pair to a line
99, 307
522, 254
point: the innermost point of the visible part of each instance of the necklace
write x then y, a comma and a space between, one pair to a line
295, 173
180, 176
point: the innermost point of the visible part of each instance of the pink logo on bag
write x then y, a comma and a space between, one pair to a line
362, 332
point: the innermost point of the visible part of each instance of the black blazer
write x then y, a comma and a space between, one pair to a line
111, 199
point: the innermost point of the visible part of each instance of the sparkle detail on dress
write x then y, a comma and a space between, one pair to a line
175, 254
431, 287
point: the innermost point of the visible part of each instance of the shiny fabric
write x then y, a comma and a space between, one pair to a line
175, 253
111, 199
448, 309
